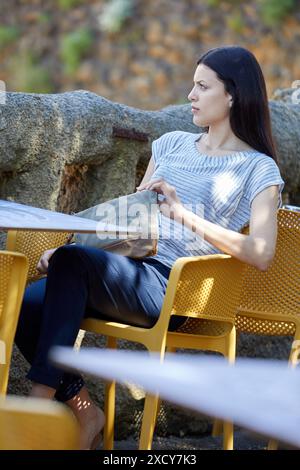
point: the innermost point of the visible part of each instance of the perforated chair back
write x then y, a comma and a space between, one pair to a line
270, 302
13, 274
33, 244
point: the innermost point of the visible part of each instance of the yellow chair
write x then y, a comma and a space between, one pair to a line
36, 424
203, 287
13, 274
270, 301
33, 244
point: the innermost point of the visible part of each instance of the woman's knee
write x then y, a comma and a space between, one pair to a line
77, 259
65, 252
66, 257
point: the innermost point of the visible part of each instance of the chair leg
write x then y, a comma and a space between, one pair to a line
228, 435
228, 426
148, 423
217, 428
272, 444
109, 406
230, 351
109, 411
150, 414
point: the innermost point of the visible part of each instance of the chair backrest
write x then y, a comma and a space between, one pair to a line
33, 244
13, 274
36, 424
275, 294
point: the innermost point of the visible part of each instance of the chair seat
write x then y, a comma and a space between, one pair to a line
198, 326
258, 326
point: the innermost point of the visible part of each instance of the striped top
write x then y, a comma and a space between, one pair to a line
218, 188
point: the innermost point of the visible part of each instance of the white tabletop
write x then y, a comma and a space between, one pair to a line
14, 216
260, 395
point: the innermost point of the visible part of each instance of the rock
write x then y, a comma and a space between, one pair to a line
41, 135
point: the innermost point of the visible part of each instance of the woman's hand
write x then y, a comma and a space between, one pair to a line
171, 205
42, 266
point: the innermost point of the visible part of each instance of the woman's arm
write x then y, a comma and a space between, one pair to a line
149, 172
43, 263
257, 248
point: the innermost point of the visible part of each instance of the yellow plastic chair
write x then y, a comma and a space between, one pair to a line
13, 274
270, 301
203, 287
36, 424
33, 244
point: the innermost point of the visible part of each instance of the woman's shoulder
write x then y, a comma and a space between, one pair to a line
263, 171
264, 160
174, 139
177, 135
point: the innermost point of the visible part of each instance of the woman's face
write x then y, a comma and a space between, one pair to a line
210, 101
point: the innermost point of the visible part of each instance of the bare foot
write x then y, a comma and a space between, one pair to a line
91, 435
91, 430
91, 419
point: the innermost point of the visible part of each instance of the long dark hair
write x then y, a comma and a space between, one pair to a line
243, 79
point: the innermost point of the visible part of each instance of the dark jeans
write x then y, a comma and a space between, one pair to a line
85, 282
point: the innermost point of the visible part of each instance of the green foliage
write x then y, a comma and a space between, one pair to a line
8, 34
28, 75
114, 15
44, 18
73, 47
216, 3
68, 4
213, 3
235, 22
273, 11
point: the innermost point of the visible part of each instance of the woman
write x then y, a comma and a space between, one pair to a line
212, 184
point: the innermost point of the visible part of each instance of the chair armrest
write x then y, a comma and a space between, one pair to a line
204, 287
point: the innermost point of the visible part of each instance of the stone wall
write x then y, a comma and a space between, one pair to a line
71, 150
